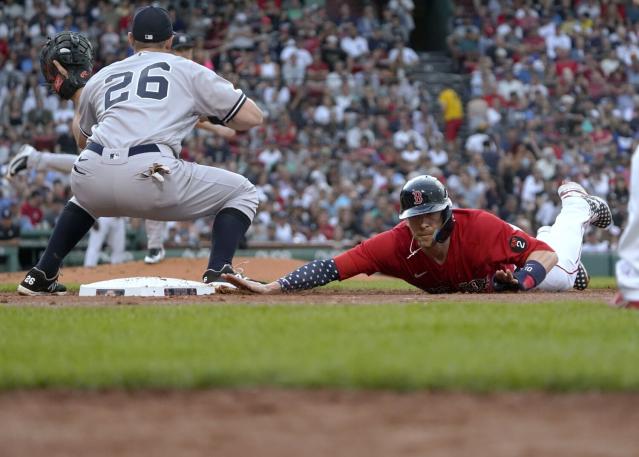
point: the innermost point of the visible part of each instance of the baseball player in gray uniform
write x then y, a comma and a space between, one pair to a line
156, 230
29, 158
130, 120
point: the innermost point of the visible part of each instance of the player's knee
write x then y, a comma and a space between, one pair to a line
251, 198
246, 201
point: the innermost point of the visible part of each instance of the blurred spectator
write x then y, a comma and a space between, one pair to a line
368, 22
31, 211
402, 56
437, 153
282, 230
240, 33
271, 155
303, 57
9, 228
354, 45
407, 134
331, 52
593, 244
453, 113
404, 11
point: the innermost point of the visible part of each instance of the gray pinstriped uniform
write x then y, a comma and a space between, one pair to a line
154, 98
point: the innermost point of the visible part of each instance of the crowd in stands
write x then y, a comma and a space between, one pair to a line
550, 96
553, 95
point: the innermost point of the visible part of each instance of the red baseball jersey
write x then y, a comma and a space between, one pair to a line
480, 244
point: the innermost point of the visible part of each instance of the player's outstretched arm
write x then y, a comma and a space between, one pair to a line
314, 274
254, 286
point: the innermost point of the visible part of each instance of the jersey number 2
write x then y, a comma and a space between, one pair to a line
111, 97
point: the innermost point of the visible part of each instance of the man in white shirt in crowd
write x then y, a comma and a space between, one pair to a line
509, 85
303, 56
402, 55
406, 133
353, 44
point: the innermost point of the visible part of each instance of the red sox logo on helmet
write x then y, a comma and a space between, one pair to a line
417, 197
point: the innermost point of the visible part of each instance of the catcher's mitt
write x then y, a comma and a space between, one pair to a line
73, 52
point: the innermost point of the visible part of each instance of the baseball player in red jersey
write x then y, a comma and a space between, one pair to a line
443, 250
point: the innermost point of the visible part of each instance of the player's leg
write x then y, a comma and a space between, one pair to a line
229, 227
56, 162
231, 223
205, 191
627, 268
155, 240
29, 158
72, 225
559, 277
97, 235
117, 239
565, 236
188, 191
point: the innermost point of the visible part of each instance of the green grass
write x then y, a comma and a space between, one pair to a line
454, 346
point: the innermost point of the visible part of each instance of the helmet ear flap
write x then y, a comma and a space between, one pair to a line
447, 227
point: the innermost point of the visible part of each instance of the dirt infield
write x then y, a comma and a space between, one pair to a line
264, 270
316, 423
273, 422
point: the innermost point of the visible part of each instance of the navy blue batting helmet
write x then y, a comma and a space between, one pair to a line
426, 194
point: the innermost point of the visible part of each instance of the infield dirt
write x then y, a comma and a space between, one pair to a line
262, 269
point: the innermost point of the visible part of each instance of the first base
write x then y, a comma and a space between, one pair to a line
146, 287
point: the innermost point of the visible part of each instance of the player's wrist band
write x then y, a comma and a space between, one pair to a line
530, 275
313, 274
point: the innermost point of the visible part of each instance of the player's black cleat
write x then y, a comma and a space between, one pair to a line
213, 276
37, 283
583, 278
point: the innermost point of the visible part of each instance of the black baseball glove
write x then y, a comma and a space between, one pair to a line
74, 53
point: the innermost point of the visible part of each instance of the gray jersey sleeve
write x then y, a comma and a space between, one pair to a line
88, 116
216, 96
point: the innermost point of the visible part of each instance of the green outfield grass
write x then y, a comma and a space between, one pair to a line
470, 346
